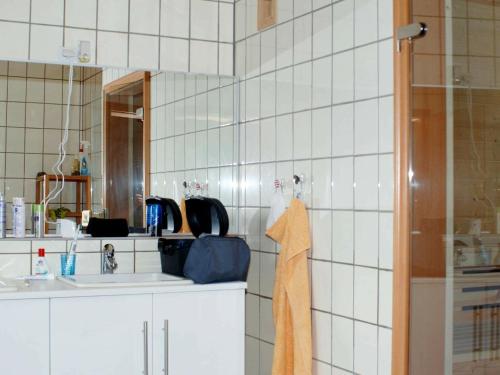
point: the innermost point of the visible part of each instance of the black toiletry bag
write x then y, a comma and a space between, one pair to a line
173, 254
213, 259
107, 227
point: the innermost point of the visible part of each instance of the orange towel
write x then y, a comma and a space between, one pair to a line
291, 297
185, 225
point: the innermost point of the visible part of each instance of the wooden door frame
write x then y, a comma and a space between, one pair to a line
402, 203
116, 85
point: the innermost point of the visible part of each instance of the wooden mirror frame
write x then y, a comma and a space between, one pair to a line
110, 88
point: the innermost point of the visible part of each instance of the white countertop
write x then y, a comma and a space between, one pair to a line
58, 289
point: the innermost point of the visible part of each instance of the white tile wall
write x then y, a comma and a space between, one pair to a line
194, 137
17, 257
200, 32
316, 98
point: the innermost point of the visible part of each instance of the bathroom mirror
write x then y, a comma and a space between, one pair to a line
192, 136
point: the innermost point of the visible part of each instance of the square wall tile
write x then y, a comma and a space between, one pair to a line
174, 54
366, 127
386, 182
46, 42
365, 348
342, 342
144, 16
81, 13
203, 57
322, 82
112, 48
266, 320
321, 274
343, 130
322, 32
284, 45
365, 20
384, 351
366, 182
366, 72
302, 79
226, 33
343, 77
342, 183
302, 135
322, 336
204, 20
284, 87
268, 50
366, 294
113, 15
284, 132
342, 236
18, 12
49, 12
143, 51
386, 124
301, 7
385, 298
18, 47
321, 237
175, 18
302, 28
343, 25
342, 289
366, 238
385, 240
322, 183
321, 132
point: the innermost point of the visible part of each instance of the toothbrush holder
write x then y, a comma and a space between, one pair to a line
68, 269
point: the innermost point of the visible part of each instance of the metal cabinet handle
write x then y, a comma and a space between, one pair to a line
146, 349
165, 338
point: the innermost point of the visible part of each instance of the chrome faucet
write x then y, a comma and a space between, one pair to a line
108, 262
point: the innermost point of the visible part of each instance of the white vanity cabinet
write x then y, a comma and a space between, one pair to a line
24, 337
50, 328
198, 333
100, 335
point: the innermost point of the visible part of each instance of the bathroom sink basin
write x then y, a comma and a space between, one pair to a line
125, 279
6, 287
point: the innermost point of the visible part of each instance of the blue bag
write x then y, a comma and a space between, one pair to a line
214, 259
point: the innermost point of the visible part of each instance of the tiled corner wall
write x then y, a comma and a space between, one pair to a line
317, 99
132, 255
32, 116
179, 35
92, 129
194, 136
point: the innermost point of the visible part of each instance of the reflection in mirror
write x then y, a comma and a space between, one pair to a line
33, 101
157, 132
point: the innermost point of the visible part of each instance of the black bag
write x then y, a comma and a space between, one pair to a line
213, 259
173, 254
107, 227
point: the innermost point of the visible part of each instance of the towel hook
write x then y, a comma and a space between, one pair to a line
299, 179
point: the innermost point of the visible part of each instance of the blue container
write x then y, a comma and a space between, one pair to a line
153, 218
68, 269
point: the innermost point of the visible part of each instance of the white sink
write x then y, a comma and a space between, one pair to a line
7, 287
123, 279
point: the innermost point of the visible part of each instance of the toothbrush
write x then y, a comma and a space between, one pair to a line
72, 251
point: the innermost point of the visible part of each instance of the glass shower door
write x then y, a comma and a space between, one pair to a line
455, 192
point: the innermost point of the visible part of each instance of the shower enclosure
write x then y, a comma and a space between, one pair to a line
451, 139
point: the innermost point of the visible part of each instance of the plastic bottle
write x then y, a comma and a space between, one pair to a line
18, 218
3, 217
41, 267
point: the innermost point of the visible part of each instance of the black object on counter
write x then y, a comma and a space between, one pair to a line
107, 227
173, 254
207, 216
213, 259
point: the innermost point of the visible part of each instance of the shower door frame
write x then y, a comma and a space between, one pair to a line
402, 198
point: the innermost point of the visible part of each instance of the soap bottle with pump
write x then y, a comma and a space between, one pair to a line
41, 267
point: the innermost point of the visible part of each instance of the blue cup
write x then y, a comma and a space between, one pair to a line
68, 269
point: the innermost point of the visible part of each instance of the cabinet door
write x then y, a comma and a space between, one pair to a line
199, 333
101, 335
24, 337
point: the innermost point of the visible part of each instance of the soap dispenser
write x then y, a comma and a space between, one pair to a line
41, 267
